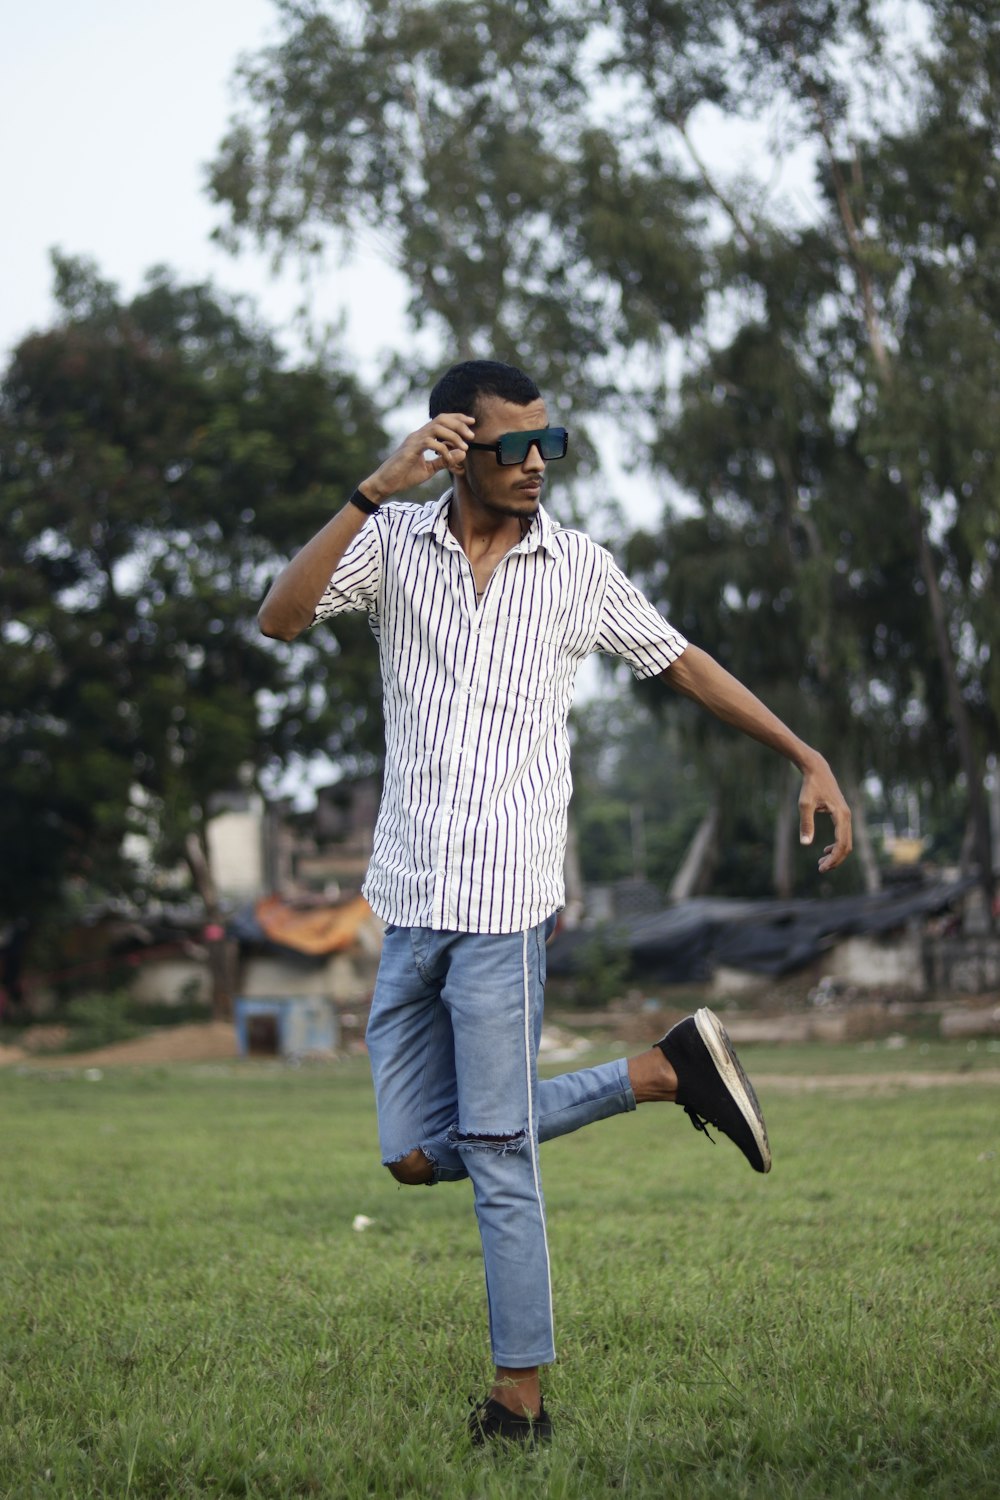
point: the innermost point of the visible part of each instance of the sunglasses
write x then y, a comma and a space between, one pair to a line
514, 447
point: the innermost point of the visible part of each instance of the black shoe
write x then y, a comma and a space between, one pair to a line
490, 1419
712, 1086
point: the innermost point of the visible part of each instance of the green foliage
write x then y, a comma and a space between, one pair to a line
98, 1020
647, 768
601, 967
157, 461
515, 213
633, 780
833, 423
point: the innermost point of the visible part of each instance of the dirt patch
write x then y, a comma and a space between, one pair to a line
202, 1041
44, 1038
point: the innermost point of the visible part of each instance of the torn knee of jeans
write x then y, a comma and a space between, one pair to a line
478, 1140
412, 1168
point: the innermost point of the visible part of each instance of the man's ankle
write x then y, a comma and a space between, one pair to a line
652, 1078
518, 1391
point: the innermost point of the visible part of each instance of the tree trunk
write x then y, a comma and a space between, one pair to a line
220, 954
993, 799
573, 910
785, 824
637, 828
698, 863
863, 847
979, 815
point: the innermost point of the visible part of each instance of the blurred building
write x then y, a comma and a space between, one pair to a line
261, 848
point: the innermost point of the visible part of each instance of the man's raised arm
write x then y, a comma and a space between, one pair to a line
699, 676
290, 605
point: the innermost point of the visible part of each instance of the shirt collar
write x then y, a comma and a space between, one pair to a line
434, 521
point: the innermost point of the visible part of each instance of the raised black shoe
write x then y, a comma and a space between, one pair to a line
491, 1421
713, 1088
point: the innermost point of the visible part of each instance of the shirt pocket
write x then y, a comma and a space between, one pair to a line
527, 660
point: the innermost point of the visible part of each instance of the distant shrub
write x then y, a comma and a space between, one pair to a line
601, 967
100, 1020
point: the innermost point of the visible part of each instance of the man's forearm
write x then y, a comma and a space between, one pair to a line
697, 675
290, 605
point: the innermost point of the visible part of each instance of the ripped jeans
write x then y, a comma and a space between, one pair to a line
453, 1041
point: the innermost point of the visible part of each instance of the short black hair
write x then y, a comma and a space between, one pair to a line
461, 387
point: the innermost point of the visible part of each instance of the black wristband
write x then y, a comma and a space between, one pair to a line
363, 503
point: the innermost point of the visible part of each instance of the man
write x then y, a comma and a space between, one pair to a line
483, 609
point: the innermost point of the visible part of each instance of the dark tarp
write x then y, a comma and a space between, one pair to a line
686, 942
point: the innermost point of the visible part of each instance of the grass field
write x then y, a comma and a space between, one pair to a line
187, 1311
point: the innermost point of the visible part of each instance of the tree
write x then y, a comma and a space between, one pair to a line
893, 284
458, 138
156, 460
536, 173
932, 197
628, 824
796, 568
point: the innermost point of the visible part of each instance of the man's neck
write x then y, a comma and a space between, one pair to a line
481, 532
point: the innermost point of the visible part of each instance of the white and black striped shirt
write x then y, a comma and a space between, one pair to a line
471, 833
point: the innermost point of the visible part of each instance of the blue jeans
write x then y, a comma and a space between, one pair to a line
453, 1040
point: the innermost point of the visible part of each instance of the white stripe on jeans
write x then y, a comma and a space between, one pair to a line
532, 1144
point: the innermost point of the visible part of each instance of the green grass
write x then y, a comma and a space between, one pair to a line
913, 1056
946, 1059
185, 1309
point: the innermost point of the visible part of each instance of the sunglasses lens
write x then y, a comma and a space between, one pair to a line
551, 443
514, 447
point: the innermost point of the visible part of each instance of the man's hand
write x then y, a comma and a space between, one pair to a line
820, 793
290, 606
445, 436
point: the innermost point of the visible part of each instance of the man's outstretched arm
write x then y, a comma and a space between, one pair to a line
699, 676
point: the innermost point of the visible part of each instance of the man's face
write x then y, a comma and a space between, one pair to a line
505, 489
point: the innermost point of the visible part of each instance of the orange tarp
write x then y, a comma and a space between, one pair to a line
324, 929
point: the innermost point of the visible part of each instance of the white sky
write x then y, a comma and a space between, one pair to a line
109, 111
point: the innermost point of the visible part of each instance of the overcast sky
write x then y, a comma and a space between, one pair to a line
109, 111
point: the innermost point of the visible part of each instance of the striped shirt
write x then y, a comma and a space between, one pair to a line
471, 832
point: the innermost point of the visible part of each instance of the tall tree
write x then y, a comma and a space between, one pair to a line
459, 136
157, 457
931, 193
887, 277
535, 170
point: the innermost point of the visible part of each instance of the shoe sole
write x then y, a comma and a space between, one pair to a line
716, 1039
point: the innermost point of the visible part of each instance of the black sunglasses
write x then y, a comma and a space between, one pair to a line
514, 447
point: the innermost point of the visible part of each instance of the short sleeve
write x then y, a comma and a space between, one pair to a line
356, 579
630, 627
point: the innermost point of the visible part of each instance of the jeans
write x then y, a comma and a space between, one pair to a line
453, 1041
